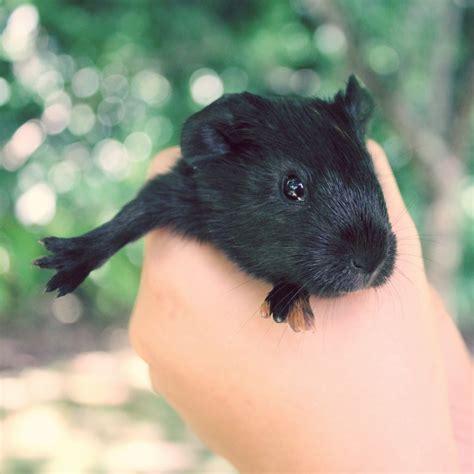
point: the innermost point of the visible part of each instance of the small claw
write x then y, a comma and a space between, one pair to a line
296, 320
300, 317
49, 288
265, 310
61, 292
52, 244
279, 318
42, 262
53, 283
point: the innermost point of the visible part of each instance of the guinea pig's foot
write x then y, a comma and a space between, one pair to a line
289, 302
73, 259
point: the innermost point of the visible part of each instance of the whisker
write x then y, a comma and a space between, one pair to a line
282, 334
415, 264
403, 274
418, 257
299, 347
398, 298
266, 333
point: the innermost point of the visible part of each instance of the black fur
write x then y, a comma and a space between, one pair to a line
227, 190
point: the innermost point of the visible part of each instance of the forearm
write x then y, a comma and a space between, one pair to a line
460, 373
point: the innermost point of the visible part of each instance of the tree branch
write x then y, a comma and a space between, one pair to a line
431, 149
462, 117
443, 65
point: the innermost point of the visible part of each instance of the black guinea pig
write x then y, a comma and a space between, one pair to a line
284, 187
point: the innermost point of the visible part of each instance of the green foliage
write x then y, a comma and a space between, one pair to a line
105, 85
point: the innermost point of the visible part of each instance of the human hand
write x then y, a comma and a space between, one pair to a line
367, 390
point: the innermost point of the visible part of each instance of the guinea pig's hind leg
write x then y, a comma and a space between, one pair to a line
289, 302
74, 258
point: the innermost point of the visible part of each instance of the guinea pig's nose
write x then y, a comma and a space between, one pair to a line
367, 268
358, 263
367, 264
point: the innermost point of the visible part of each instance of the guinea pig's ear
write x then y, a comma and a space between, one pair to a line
358, 103
211, 132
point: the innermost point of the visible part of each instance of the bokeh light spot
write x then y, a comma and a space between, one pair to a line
140, 455
30, 175
111, 111
24, 142
23, 428
4, 91
64, 176
85, 82
78, 154
48, 83
25, 18
138, 145
383, 59
305, 82
206, 86
151, 87
98, 370
294, 38
278, 80
56, 118
82, 119
18, 36
14, 396
160, 129
115, 85
37, 205
112, 157
330, 39
67, 309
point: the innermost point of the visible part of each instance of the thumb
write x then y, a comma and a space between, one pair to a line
395, 204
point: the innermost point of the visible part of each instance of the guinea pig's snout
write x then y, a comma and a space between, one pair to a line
373, 264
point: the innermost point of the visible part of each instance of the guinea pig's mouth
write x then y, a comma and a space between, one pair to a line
371, 280
360, 281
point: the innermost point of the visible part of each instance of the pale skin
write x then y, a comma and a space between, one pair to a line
384, 383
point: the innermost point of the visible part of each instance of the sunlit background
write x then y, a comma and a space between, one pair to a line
91, 90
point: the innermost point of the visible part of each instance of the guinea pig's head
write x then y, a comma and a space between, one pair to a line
288, 190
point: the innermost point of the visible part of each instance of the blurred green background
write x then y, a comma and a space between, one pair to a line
90, 90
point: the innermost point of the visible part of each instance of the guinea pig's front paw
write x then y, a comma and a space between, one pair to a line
289, 302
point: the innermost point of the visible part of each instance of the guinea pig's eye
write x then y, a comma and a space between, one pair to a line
293, 188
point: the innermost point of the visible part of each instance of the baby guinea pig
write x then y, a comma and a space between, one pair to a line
284, 187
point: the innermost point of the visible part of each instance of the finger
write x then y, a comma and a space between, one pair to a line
164, 161
386, 177
161, 164
408, 242
400, 218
